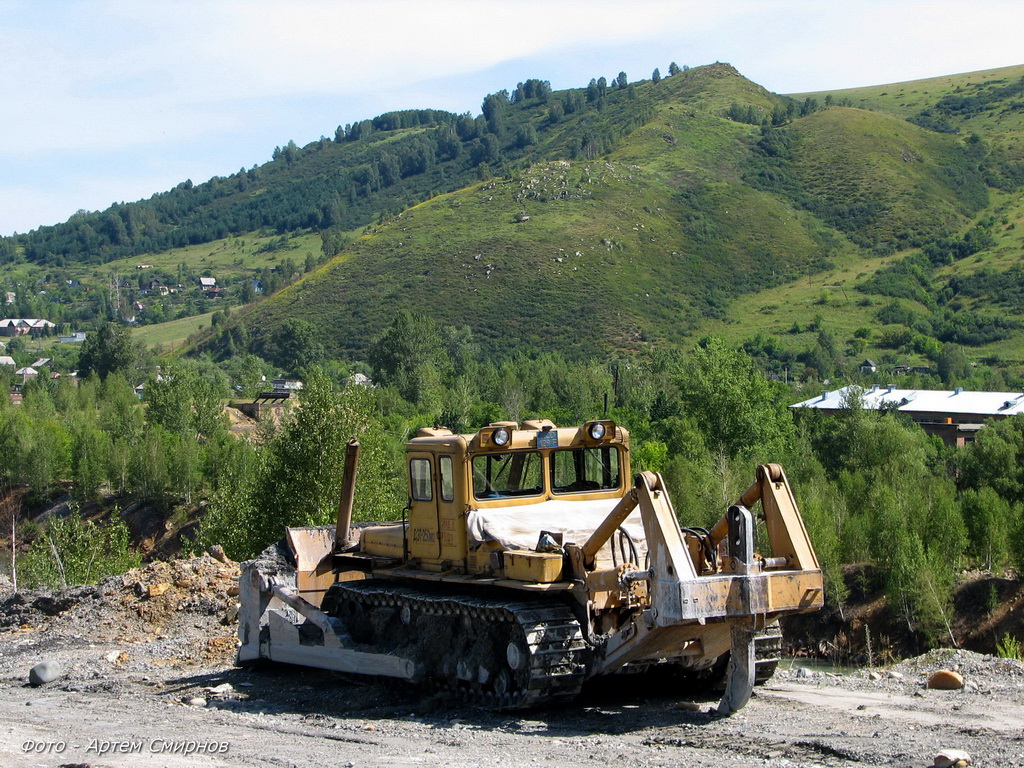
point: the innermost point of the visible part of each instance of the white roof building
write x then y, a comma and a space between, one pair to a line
953, 414
17, 326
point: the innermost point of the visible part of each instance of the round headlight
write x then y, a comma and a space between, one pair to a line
501, 436
596, 430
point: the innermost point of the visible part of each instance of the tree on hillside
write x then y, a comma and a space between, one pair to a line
732, 401
656, 75
297, 474
412, 356
622, 81
952, 364
673, 69
294, 345
109, 350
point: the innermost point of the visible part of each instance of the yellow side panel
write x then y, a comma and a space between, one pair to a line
383, 540
533, 566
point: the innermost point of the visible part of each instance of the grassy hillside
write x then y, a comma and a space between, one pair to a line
609, 219
583, 256
647, 243
908, 99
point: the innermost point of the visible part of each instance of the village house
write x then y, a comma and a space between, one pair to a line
286, 385
24, 326
209, 286
27, 373
954, 415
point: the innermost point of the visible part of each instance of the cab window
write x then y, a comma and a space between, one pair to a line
585, 469
507, 474
419, 478
447, 481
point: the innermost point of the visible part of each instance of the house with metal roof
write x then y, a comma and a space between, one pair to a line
22, 326
954, 415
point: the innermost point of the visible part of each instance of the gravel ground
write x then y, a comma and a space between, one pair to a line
146, 662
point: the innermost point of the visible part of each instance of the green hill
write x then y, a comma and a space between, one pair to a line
648, 242
608, 219
942, 96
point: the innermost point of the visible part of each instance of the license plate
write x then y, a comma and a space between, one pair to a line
547, 439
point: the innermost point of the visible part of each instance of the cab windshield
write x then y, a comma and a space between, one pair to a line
585, 469
507, 474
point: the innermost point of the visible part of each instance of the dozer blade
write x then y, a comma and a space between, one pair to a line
739, 682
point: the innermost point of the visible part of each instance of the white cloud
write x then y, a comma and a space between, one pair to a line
160, 83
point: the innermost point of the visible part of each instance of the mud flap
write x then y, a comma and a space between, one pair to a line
739, 682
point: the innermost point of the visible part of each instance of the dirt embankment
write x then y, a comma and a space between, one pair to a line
146, 679
985, 609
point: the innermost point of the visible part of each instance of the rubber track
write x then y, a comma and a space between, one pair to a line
556, 649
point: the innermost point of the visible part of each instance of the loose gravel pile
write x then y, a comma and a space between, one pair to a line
172, 614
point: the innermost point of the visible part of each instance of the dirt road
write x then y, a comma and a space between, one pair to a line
147, 681
294, 717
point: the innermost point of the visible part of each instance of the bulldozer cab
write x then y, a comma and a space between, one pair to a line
505, 486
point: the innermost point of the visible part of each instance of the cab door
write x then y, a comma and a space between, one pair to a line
424, 528
451, 508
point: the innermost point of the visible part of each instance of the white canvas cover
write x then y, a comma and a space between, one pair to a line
520, 527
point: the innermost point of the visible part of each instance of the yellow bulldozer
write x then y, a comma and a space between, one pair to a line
528, 561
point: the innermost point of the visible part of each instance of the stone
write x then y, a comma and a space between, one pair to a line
155, 590
804, 673
45, 672
196, 701
946, 680
217, 553
874, 676
948, 758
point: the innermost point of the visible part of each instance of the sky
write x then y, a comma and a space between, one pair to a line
107, 101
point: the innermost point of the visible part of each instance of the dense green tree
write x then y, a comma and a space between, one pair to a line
996, 460
732, 401
109, 350
296, 477
185, 400
952, 364
656, 75
294, 345
411, 355
90, 457
991, 521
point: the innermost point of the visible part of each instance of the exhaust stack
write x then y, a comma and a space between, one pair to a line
342, 532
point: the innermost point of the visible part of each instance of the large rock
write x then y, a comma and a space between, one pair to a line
45, 672
946, 680
948, 758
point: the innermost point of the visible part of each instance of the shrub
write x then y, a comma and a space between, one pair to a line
73, 551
